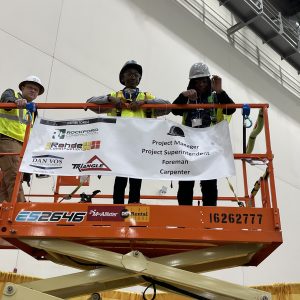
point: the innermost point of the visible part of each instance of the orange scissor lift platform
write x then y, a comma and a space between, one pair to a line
138, 243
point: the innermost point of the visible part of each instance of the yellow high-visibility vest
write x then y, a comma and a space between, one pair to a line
12, 122
140, 113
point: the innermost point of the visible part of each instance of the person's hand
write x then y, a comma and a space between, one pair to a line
135, 105
191, 94
216, 84
21, 103
116, 101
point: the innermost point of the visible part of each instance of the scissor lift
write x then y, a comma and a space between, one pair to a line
164, 245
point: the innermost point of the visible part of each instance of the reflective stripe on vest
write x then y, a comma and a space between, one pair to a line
140, 113
12, 123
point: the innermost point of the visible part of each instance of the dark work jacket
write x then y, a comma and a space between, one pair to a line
204, 114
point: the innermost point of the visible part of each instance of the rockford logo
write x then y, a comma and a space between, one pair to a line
73, 147
94, 164
51, 216
47, 162
62, 133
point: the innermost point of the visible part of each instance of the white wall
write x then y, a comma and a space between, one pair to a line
77, 47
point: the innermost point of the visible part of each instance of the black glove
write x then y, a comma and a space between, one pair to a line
84, 198
27, 178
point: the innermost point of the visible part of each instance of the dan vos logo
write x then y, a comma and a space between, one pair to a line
62, 133
47, 162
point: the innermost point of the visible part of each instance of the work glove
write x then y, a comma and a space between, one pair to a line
26, 178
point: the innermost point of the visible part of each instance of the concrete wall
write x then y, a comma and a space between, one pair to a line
77, 48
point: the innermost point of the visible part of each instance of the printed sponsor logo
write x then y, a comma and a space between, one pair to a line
125, 213
130, 213
73, 146
105, 213
47, 162
94, 164
138, 213
176, 131
51, 216
63, 133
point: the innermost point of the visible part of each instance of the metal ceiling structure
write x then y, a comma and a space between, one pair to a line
288, 8
275, 22
215, 20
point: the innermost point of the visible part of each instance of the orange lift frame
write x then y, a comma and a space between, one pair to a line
161, 244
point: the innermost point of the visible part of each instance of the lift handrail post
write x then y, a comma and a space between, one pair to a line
270, 155
14, 196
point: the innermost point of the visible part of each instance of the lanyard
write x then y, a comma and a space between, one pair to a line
130, 96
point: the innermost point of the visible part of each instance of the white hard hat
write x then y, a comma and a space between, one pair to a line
199, 70
35, 80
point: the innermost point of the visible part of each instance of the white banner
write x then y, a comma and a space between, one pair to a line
129, 147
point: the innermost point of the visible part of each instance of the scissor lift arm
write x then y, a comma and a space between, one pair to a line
130, 269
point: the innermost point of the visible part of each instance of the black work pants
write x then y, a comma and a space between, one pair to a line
134, 190
208, 188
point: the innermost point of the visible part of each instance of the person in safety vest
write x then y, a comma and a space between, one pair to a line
12, 131
202, 88
127, 103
